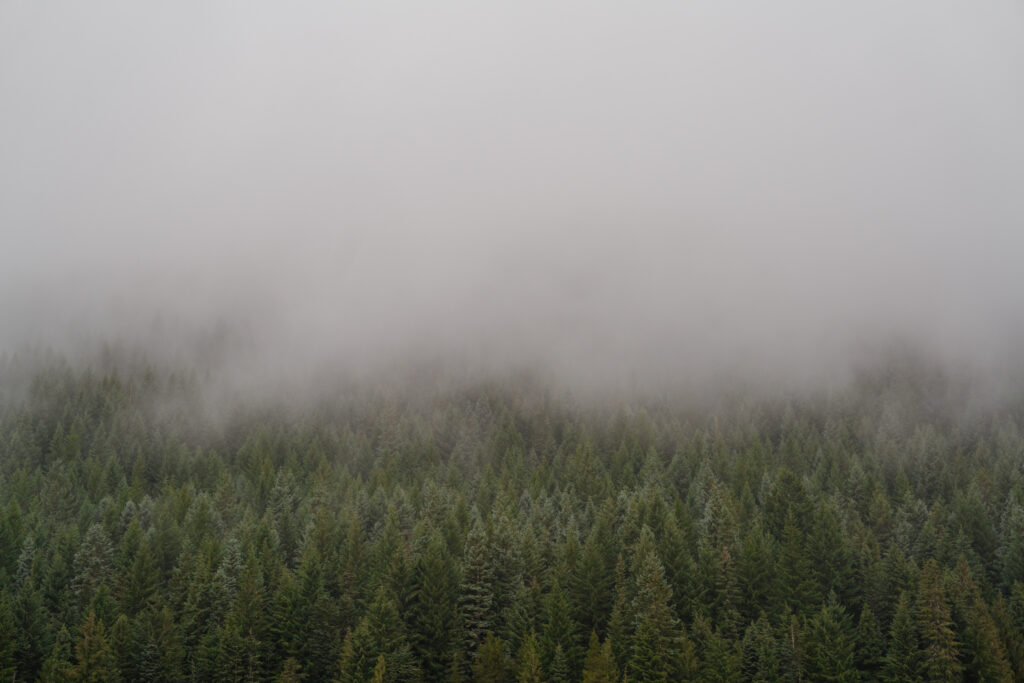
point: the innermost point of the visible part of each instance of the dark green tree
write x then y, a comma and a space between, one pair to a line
903, 659
829, 644
599, 664
94, 660
940, 657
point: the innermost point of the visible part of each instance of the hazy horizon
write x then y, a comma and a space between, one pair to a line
644, 195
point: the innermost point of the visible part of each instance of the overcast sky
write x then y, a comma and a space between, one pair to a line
656, 187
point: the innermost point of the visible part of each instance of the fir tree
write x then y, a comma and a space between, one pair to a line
57, 666
940, 648
869, 654
660, 648
529, 667
829, 644
560, 630
987, 660
93, 564
491, 665
94, 661
561, 668
760, 656
8, 637
476, 597
621, 622
903, 659
599, 664
431, 612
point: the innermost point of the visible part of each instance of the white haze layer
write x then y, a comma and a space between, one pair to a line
609, 191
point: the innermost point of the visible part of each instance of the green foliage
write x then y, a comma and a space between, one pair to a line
599, 665
660, 649
903, 660
529, 666
94, 659
869, 652
496, 532
940, 647
760, 652
829, 644
491, 665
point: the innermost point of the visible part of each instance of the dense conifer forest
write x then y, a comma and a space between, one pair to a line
504, 531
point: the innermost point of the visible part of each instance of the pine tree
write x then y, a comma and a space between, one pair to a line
660, 649
491, 665
760, 652
599, 664
791, 647
162, 654
93, 565
832, 567
285, 625
8, 637
95, 662
560, 630
755, 570
380, 670
593, 580
57, 666
291, 672
870, 651
431, 612
727, 598
30, 622
830, 643
380, 632
476, 597
561, 669
523, 615
349, 667
143, 581
988, 660
123, 639
529, 670
622, 621
795, 584
457, 671
1011, 547
315, 611
903, 659
941, 650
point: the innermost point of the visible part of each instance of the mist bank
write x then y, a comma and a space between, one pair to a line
221, 377
665, 196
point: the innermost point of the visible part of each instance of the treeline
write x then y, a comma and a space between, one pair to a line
501, 532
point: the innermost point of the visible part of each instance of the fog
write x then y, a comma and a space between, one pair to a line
605, 192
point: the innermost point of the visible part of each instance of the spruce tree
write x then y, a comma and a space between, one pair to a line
476, 598
987, 658
660, 649
94, 660
599, 664
760, 652
529, 666
57, 666
8, 638
940, 647
870, 651
560, 629
621, 622
432, 609
829, 644
903, 658
560, 669
491, 665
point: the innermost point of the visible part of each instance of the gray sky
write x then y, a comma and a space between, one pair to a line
619, 189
